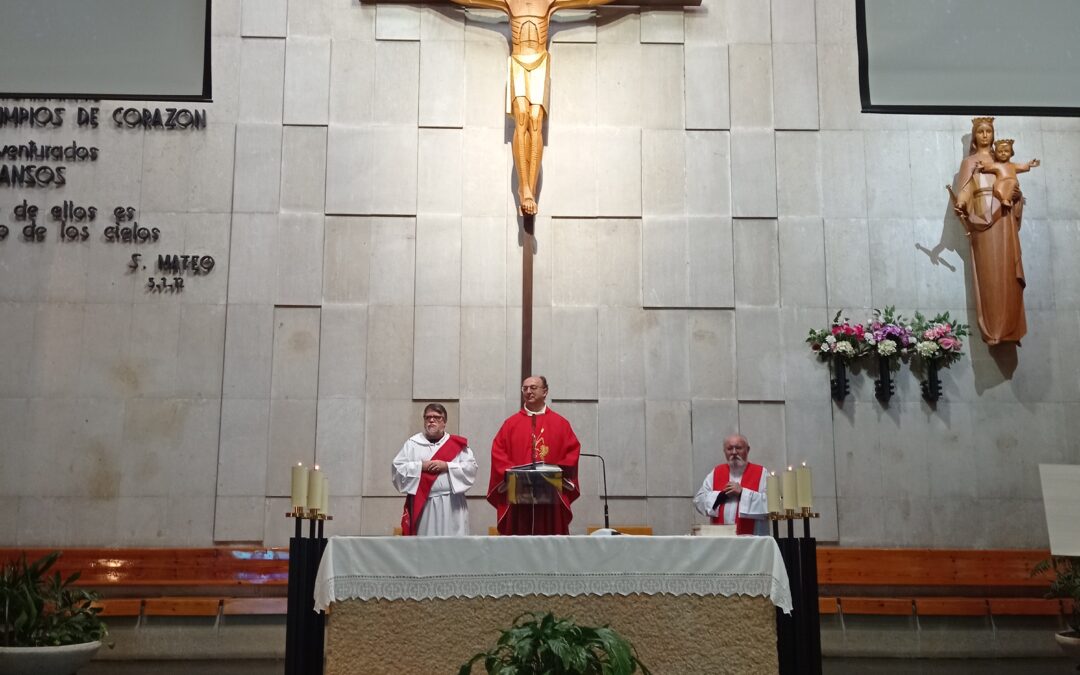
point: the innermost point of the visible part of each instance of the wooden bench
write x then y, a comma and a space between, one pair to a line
177, 582
934, 582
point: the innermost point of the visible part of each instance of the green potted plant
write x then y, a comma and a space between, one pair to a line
47, 626
1065, 584
540, 643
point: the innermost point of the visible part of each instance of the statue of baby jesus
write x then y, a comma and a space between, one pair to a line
1006, 185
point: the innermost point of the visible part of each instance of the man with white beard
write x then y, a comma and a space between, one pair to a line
433, 470
740, 499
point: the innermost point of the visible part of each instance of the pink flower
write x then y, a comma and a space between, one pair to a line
836, 330
848, 330
859, 330
949, 343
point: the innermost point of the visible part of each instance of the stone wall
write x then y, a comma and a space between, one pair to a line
711, 191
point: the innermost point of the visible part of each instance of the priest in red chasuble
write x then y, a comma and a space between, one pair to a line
734, 492
534, 434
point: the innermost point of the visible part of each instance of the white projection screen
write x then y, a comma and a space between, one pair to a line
106, 49
1005, 57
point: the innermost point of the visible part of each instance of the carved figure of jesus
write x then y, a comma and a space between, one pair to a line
1006, 182
528, 81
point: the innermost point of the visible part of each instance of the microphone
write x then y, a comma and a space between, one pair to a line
603, 471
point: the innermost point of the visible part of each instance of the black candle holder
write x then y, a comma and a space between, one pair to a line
931, 386
304, 627
884, 387
839, 385
798, 635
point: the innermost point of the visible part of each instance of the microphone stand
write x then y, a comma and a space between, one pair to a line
603, 471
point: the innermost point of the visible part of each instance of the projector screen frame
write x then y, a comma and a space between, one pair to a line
206, 96
869, 106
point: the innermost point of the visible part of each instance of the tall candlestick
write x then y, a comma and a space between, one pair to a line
806, 487
325, 508
791, 490
314, 489
772, 492
299, 485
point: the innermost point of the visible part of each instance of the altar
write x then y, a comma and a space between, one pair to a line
427, 604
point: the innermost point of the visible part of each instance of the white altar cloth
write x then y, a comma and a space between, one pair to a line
422, 568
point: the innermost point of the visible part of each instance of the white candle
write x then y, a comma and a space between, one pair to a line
325, 508
314, 489
299, 485
772, 492
791, 491
806, 487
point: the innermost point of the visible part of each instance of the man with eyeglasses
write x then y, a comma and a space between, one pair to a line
433, 470
733, 493
534, 434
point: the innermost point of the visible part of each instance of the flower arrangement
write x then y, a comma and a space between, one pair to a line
841, 340
888, 336
937, 340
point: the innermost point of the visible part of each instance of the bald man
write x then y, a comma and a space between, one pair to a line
734, 492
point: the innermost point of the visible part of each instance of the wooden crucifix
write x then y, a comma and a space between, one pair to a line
527, 94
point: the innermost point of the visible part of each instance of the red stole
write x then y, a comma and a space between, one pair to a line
414, 504
751, 480
555, 443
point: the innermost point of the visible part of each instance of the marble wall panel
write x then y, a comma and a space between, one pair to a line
711, 254
303, 168
200, 351
663, 172
257, 180
436, 346
17, 336
798, 173
388, 423
299, 259
249, 340
802, 262
793, 22
574, 262
662, 80
757, 262
838, 85
621, 353
397, 22
568, 186
843, 169
753, 174
668, 449
188, 173
712, 354
347, 259
480, 419
670, 516
751, 75
393, 255
483, 352
618, 171
712, 420
307, 81
805, 377
747, 21
438, 252
442, 79
265, 18
154, 343
292, 439
441, 24
543, 260
620, 265
397, 81
662, 26
621, 427
371, 170
439, 165
487, 168
708, 97
894, 280
763, 426
379, 515
667, 355
619, 83
389, 351
942, 262
14, 416
485, 84
574, 332
937, 155
1064, 236
238, 519
795, 86
225, 18
106, 342
708, 173
312, 18
484, 273
1061, 150
54, 365
573, 97
618, 25
352, 81
295, 367
243, 448
342, 351
262, 81
847, 263
759, 354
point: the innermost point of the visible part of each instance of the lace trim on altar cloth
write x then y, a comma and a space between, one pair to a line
362, 587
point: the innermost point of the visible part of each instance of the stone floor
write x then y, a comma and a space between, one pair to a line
831, 667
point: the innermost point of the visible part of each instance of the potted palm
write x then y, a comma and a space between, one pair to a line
1065, 584
537, 644
47, 627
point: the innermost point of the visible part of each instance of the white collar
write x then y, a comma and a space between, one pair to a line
530, 413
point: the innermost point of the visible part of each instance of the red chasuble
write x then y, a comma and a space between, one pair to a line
414, 504
513, 446
751, 480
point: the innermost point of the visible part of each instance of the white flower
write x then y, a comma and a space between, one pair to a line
831, 339
825, 347
844, 348
870, 338
927, 348
886, 348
